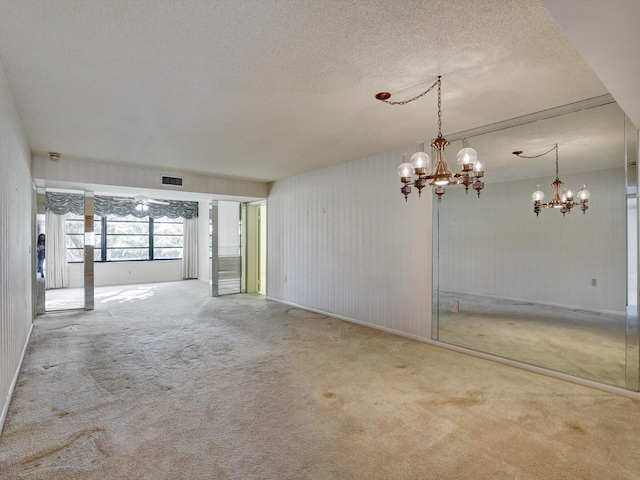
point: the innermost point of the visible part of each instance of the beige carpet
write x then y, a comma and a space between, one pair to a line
162, 382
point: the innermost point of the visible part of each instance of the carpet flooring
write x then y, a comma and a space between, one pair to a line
163, 382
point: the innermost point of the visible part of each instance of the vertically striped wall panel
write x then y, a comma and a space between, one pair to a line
343, 240
16, 219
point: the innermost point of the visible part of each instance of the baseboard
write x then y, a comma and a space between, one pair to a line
5, 408
353, 320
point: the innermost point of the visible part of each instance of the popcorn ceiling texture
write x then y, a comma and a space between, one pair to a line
163, 382
268, 89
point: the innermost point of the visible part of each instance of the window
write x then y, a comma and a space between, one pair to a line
167, 238
126, 238
75, 237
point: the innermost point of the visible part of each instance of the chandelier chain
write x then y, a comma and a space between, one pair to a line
555, 147
542, 154
413, 99
439, 108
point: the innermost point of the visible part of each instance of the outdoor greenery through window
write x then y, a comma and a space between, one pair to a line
167, 238
75, 238
126, 238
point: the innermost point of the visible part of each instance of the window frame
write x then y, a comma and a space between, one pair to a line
102, 247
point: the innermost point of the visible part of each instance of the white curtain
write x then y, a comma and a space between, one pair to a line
56, 251
190, 248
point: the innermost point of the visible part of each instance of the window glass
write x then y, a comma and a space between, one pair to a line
128, 225
75, 237
115, 254
126, 238
167, 238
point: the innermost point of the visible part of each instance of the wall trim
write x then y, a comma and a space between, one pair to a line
5, 408
485, 356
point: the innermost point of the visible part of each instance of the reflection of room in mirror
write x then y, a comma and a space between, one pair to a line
555, 291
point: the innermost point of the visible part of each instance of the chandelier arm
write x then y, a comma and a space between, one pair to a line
412, 99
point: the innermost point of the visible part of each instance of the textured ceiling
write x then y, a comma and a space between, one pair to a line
264, 89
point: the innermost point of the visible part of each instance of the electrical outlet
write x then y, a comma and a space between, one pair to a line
455, 306
594, 282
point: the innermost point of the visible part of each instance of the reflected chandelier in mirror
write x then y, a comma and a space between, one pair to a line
562, 197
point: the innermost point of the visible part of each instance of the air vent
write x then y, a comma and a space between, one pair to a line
172, 181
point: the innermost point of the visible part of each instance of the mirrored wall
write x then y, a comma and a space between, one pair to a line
226, 252
555, 291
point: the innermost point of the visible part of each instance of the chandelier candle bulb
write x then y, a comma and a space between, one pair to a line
405, 170
467, 157
584, 194
420, 161
538, 195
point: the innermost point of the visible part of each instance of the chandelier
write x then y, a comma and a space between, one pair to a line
562, 198
420, 163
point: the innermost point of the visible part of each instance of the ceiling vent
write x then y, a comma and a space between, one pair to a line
171, 181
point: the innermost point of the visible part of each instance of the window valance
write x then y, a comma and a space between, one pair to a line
63, 203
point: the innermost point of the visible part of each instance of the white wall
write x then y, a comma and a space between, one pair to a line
497, 246
16, 259
97, 174
127, 273
609, 47
342, 240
